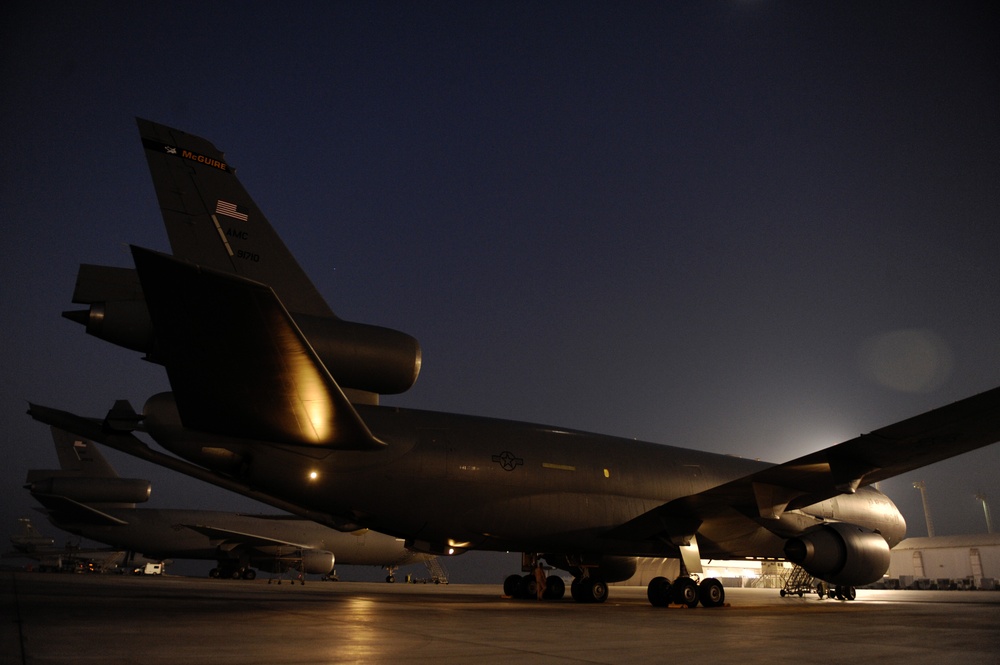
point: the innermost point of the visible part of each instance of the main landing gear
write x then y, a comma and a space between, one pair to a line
524, 587
685, 591
844, 592
232, 573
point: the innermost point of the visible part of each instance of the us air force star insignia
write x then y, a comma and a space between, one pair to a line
508, 461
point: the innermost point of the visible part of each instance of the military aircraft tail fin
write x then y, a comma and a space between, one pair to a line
212, 221
80, 457
27, 538
84, 479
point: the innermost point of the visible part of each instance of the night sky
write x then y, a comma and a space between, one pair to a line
757, 228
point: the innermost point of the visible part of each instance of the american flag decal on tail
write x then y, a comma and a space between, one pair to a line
231, 210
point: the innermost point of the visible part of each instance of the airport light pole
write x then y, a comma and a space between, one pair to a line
986, 509
920, 485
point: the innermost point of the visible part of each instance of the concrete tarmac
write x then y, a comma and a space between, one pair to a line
53, 618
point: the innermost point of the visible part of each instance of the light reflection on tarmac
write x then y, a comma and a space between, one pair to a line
111, 619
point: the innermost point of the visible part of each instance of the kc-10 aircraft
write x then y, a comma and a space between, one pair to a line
87, 497
275, 396
28, 543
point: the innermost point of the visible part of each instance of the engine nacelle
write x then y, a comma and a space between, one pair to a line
359, 356
318, 562
841, 553
94, 490
362, 356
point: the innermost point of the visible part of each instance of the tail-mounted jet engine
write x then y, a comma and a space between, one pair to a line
92, 490
841, 553
359, 356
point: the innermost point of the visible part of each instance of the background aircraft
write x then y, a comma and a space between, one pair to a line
255, 402
29, 543
87, 497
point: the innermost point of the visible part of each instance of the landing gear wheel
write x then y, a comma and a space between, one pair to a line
589, 590
214, 573
555, 588
597, 591
527, 588
711, 593
510, 585
850, 593
249, 574
658, 592
684, 591
389, 579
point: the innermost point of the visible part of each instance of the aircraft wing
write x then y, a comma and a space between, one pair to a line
248, 539
237, 362
767, 495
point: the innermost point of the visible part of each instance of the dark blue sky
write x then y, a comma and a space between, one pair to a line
751, 227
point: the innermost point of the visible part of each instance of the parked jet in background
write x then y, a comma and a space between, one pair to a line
29, 543
87, 497
275, 396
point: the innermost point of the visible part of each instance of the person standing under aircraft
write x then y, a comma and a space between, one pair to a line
539, 580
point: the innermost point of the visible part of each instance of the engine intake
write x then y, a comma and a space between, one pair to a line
841, 553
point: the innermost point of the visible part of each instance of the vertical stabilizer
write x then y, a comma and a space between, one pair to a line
212, 221
80, 457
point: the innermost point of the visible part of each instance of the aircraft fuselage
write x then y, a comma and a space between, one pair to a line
509, 485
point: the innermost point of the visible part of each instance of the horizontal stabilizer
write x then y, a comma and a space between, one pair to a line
128, 443
237, 362
69, 510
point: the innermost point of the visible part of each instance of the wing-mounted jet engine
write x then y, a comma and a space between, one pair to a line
842, 554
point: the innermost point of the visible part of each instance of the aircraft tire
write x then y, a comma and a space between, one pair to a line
597, 591
526, 588
711, 593
510, 585
249, 574
684, 591
555, 588
850, 593
658, 592
214, 573
589, 590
